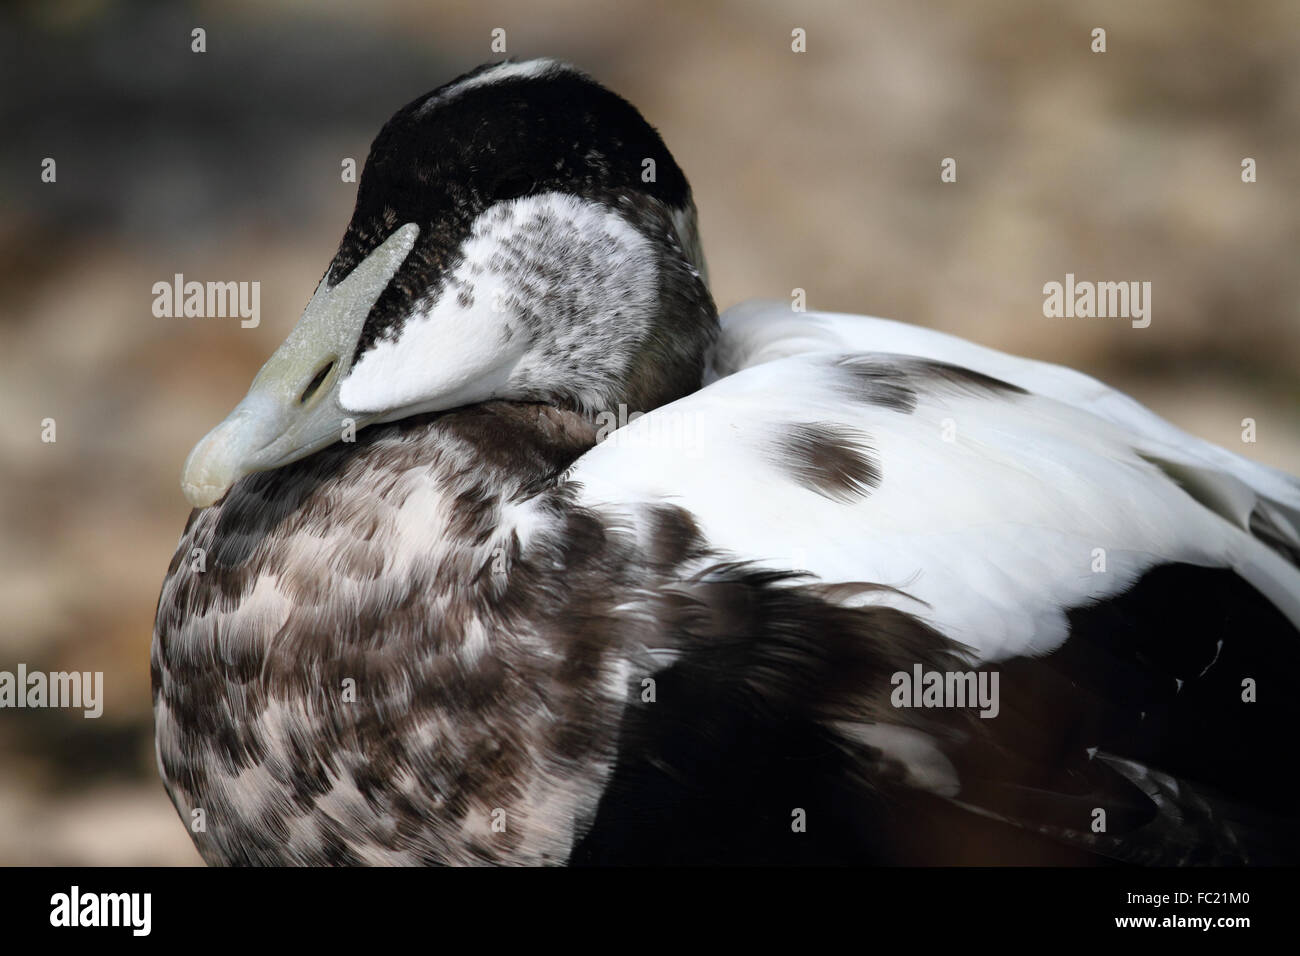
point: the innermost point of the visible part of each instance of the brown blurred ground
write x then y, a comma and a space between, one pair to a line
817, 171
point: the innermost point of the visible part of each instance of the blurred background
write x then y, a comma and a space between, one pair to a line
817, 170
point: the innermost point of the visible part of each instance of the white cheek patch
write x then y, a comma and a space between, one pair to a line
472, 343
445, 351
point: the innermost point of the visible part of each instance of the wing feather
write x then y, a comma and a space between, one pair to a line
995, 508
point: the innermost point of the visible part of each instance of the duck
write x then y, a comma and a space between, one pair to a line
516, 552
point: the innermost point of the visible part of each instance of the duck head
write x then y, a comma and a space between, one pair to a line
520, 233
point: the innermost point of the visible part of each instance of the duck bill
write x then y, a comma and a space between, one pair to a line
292, 409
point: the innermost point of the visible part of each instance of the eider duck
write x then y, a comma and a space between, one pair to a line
517, 552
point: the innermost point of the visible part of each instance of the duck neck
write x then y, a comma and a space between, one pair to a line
670, 359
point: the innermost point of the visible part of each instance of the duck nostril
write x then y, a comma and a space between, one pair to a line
314, 385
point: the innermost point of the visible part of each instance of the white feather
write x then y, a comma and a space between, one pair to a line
996, 530
759, 331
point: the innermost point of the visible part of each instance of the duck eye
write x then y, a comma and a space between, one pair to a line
314, 385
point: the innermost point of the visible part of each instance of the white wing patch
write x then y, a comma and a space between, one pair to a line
999, 510
756, 332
